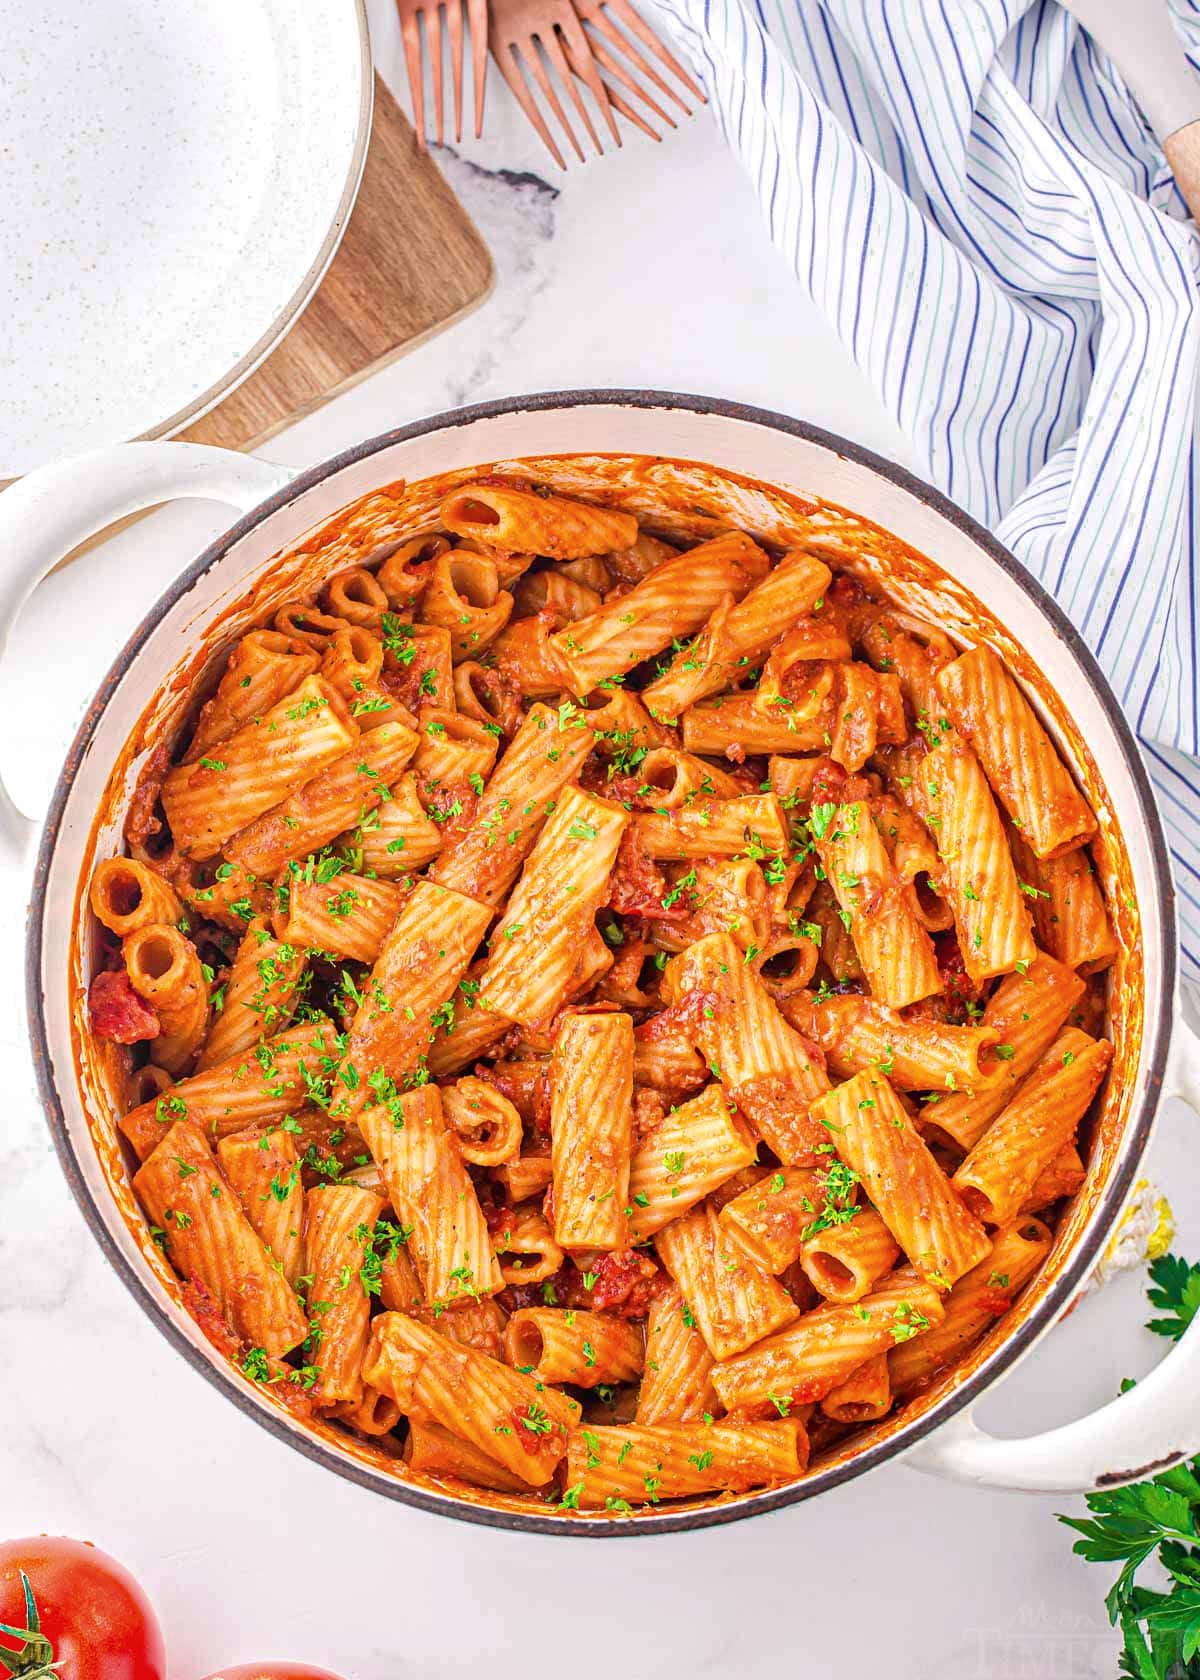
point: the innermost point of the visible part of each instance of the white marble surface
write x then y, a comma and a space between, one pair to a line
647, 268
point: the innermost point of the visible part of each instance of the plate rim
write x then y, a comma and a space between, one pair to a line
253, 358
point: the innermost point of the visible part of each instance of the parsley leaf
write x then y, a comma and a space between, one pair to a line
1176, 1291
1156, 1521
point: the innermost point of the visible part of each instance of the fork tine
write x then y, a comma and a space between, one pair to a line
648, 38
410, 31
553, 49
454, 23
608, 61
510, 69
433, 40
614, 98
477, 23
599, 20
630, 115
552, 99
584, 64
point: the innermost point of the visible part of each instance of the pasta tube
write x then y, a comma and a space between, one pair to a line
613, 1466
857, 1033
535, 944
767, 1221
591, 1130
263, 1171
526, 1176
978, 875
812, 1357
352, 665
266, 1085
488, 1126
561, 1345
878, 907
874, 1136
697, 1146
864, 1396
735, 639
433, 1451
163, 967
127, 895
264, 985
1025, 1012
414, 977
397, 837
1020, 760
973, 1305
209, 801
763, 1063
845, 1259
348, 916
209, 1239
1003, 1167
671, 601
519, 520
735, 721
1069, 913
335, 799
372, 1414
677, 1375
735, 1303
464, 596
357, 596
453, 749
431, 1191
714, 828
663, 1057
339, 1225
525, 1247
263, 668
547, 752
505, 1414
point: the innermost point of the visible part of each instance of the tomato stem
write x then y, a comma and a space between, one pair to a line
36, 1660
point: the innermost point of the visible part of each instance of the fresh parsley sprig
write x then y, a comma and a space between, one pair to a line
1154, 1522
1175, 1290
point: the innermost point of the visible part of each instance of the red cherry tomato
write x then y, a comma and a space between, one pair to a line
70, 1612
274, 1671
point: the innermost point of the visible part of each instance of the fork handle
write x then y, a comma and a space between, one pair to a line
1183, 154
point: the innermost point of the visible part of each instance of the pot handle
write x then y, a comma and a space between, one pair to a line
51, 511
1135, 1435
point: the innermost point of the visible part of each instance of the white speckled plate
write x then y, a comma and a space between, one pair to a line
175, 176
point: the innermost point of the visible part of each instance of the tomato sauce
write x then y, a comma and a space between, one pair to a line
118, 1012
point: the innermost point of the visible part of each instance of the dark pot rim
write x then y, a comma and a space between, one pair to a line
1156, 1032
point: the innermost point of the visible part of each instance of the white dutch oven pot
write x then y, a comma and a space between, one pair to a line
46, 515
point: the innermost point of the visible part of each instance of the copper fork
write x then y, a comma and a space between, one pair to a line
598, 16
540, 36
411, 12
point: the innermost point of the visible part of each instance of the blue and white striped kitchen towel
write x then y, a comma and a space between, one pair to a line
972, 197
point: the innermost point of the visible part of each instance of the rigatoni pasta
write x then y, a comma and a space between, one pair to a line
875, 1138
264, 1172
592, 1006
1022, 764
209, 1239
207, 802
812, 1357
591, 1129
735, 1302
339, 1234
1024, 1138
676, 1384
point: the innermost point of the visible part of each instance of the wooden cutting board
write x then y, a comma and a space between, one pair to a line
410, 263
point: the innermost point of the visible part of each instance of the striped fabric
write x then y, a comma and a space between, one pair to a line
973, 199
